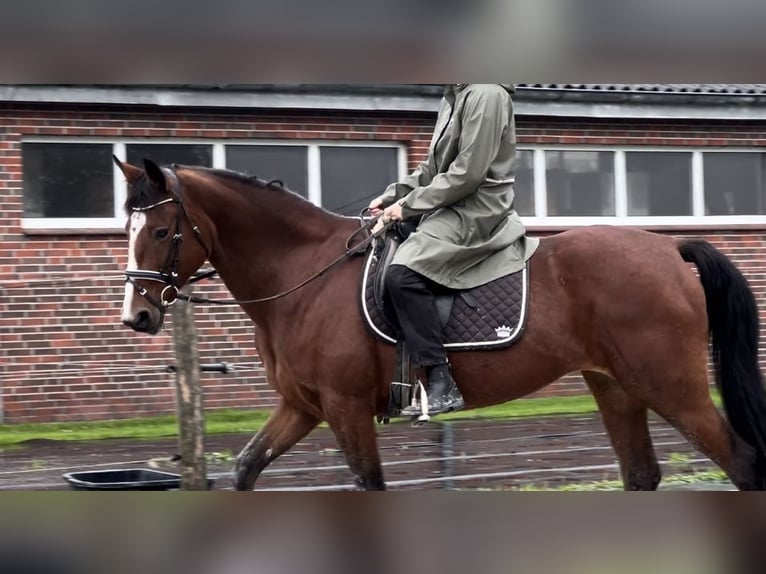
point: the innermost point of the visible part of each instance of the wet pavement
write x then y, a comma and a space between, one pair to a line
540, 453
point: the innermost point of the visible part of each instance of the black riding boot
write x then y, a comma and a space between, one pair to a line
441, 391
413, 299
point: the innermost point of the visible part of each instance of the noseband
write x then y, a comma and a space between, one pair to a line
169, 293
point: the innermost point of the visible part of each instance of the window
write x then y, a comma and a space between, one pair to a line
340, 178
67, 180
570, 187
165, 154
75, 184
735, 183
352, 176
659, 183
288, 164
580, 183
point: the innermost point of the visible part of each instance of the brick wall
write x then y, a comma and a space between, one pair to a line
64, 354
636, 133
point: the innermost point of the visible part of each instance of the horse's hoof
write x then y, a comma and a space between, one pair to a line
239, 476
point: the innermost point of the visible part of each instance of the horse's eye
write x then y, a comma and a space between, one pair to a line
161, 233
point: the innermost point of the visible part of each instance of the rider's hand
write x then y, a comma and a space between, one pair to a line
376, 206
393, 212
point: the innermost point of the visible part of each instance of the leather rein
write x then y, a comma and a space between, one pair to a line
172, 288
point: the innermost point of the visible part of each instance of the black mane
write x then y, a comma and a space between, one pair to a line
237, 176
142, 193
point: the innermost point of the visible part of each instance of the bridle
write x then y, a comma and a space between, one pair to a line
172, 260
170, 293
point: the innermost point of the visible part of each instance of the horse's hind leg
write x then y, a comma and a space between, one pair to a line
285, 427
625, 419
352, 421
697, 419
674, 384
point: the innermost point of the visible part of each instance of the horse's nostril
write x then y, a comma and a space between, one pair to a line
142, 320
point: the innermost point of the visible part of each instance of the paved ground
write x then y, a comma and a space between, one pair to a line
540, 453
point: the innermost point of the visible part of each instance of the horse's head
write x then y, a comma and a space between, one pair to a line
165, 246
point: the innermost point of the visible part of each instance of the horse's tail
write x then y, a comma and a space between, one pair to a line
734, 326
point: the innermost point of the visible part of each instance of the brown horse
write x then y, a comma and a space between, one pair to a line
622, 306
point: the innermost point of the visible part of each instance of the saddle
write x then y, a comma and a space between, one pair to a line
488, 317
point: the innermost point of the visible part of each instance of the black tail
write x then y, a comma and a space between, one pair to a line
735, 330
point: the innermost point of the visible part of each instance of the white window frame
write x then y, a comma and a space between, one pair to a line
697, 219
115, 224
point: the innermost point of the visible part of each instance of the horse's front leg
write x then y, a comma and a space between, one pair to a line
285, 427
352, 421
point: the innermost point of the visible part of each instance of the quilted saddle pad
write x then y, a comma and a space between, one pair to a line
490, 316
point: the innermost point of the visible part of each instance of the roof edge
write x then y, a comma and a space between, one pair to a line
418, 98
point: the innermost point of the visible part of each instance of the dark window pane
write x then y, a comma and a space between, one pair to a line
165, 154
352, 176
68, 180
580, 183
659, 183
289, 164
524, 188
734, 183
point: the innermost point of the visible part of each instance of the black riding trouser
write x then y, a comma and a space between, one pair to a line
413, 299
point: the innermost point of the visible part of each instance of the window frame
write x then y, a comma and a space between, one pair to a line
115, 224
697, 219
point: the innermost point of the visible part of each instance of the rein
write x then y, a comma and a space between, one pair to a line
349, 252
171, 279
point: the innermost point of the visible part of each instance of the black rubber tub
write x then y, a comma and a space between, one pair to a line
125, 479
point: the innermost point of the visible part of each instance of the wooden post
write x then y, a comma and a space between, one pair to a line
191, 423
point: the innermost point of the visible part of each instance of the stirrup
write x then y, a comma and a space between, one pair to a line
418, 409
424, 417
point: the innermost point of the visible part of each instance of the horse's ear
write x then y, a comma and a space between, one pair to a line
131, 172
155, 175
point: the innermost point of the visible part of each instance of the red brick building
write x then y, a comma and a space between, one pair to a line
680, 159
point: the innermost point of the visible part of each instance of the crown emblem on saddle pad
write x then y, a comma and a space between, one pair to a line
503, 332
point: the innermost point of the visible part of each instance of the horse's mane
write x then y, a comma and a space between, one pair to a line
237, 176
143, 193
253, 181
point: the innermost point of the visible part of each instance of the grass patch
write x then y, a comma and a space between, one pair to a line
246, 421
239, 421
701, 476
216, 422
547, 406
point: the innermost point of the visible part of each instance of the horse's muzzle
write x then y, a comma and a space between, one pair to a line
143, 322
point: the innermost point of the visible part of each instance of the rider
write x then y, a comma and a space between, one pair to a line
468, 233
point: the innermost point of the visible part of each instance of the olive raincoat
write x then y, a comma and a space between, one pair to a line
469, 233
